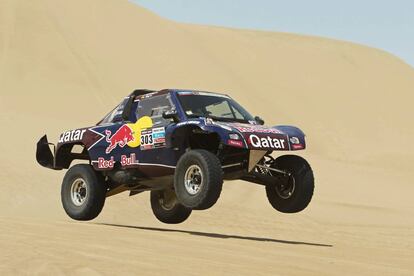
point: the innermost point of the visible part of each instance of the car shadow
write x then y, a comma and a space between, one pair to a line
216, 235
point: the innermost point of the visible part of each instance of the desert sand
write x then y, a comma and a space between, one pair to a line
65, 64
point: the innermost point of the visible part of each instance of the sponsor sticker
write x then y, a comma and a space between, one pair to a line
257, 129
235, 143
267, 142
192, 93
121, 137
128, 134
158, 135
148, 95
153, 138
106, 164
146, 139
129, 161
72, 135
297, 146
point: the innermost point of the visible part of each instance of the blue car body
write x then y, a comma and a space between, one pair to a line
148, 142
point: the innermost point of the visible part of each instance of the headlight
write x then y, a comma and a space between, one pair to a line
234, 136
294, 140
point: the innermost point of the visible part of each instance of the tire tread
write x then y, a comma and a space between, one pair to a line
302, 172
214, 175
96, 196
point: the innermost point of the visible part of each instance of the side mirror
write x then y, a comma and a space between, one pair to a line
259, 120
171, 114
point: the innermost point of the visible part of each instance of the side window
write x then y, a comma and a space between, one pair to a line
115, 115
154, 107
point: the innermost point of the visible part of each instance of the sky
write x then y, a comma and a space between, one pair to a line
383, 24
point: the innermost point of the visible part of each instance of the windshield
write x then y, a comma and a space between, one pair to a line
215, 106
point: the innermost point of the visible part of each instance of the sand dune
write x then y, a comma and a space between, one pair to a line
64, 64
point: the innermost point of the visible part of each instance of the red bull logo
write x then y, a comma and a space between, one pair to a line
121, 137
129, 161
106, 164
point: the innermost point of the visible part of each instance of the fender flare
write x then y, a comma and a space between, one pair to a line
171, 134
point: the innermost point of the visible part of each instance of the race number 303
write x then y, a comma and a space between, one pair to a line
146, 139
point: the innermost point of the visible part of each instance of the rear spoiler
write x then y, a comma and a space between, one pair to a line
44, 155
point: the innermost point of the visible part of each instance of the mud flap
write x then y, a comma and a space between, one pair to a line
44, 155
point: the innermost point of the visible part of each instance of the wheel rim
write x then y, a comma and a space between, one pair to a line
193, 179
286, 189
167, 200
78, 191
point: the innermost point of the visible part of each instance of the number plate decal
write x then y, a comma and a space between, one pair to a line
152, 138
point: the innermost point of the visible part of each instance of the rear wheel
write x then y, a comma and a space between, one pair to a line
293, 193
166, 207
83, 192
198, 179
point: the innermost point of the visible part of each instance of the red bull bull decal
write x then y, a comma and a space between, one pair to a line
128, 134
121, 137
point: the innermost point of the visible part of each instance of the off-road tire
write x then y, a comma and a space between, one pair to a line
95, 192
303, 184
212, 179
171, 212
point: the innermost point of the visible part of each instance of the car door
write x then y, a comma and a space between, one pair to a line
107, 145
153, 150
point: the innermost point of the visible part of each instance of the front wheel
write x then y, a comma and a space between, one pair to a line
83, 192
293, 193
167, 209
198, 179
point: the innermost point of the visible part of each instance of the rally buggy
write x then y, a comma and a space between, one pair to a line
180, 145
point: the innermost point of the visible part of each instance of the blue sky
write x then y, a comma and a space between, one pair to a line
383, 24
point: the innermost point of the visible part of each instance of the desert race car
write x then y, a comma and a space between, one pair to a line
180, 145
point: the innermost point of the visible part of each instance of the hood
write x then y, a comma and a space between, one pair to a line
266, 138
